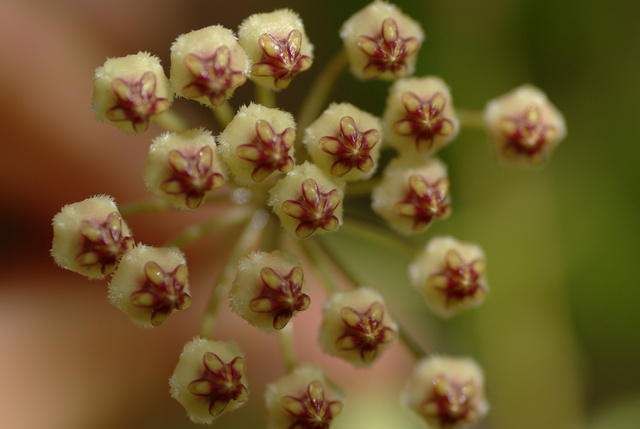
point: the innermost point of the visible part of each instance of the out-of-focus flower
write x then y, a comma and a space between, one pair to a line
307, 201
130, 91
278, 45
450, 275
267, 290
344, 141
209, 379
90, 237
524, 127
419, 115
302, 399
447, 392
413, 193
381, 42
356, 326
207, 65
257, 143
183, 168
149, 284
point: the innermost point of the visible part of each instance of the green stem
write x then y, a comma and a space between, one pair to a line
247, 241
285, 335
379, 235
320, 90
223, 114
195, 232
361, 189
172, 121
317, 254
139, 207
266, 96
471, 119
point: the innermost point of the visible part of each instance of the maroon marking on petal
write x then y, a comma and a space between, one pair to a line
424, 202
281, 59
313, 209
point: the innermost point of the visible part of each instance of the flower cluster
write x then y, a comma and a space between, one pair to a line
298, 173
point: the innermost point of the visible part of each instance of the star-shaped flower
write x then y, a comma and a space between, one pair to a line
269, 150
311, 410
136, 102
425, 202
350, 147
313, 209
282, 59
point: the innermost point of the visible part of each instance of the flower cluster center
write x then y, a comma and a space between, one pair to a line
281, 295
282, 59
387, 51
269, 150
425, 201
311, 410
350, 147
212, 76
313, 209
220, 382
136, 101
162, 291
103, 243
364, 331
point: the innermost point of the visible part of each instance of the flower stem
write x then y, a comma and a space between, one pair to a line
139, 207
379, 235
317, 255
195, 232
320, 90
285, 335
266, 96
172, 121
223, 114
248, 240
471, 119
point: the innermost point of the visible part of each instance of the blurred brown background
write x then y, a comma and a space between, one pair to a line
558, 336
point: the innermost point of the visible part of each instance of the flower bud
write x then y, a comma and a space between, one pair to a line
450, 275
277, 44
209, 379
183, 168
356, 326
412, 194
129, 91
302, 399
381, 42
258, 142
307, 201
267, 290
447, 392
90, 237
207, 65
524, 127
419, 115
149, 284
343, 141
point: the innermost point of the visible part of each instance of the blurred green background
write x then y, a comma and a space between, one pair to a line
558, 336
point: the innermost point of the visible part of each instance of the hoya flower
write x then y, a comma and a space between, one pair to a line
149, 284
344, 141
450, 275
447, 392
90, 237
356, 326
307, 201
130, 91
419, 116
381, 42
207, 65
257, 143
183, 168
209, 379
278, 46
302, 399
413, 193
524, 127
267, 290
